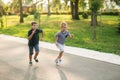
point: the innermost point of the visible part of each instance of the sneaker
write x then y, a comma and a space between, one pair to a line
36, 60
58, 61
30, 63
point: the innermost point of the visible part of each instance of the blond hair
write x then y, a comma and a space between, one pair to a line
63, 23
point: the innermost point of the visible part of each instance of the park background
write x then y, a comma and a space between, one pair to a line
94, 23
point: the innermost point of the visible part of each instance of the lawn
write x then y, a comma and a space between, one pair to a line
108, 40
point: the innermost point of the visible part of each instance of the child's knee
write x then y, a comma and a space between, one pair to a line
61, 51
30, 54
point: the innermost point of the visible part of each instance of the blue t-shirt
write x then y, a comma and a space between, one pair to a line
62, 36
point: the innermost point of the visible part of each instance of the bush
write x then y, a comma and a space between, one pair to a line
1, 14
11, 13
111, 13
36, 15
1, 22
31, 12
119, 27
119, 24
25, 14
85, 15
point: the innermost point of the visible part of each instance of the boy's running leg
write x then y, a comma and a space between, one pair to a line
35, 57
30, 59
58, 59
36, 52
60, 55
30, 54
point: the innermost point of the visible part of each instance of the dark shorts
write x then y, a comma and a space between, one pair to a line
36, 47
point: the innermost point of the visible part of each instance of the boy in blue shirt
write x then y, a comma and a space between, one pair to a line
60, 38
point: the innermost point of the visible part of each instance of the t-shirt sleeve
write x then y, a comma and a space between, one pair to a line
68, 34
29, 33
57, 34
40, 30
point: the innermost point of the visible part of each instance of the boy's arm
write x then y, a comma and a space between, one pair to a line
42, 35
71, 36
56, 38
31, 35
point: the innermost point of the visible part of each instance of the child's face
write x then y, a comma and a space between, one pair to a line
34, 26
63, 27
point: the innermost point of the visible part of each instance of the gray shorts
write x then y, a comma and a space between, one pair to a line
60, 47
36, 47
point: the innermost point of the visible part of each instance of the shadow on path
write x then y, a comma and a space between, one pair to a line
31, 73
61, 73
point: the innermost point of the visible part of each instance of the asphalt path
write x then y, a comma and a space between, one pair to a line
14, 65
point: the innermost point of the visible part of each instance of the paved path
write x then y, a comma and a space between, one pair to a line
14, 65
101, 56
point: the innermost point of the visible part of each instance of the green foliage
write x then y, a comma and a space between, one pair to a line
15, 4
36, 15
111, 13
1, 14
6, 9
56, 1
85, 15
1, 22
1, 3
25, 14
95, 5
117, 1
82, 4
119, 24
107, 40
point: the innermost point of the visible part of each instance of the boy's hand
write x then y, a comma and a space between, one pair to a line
71, 36
41, 39
56, 44
33, 32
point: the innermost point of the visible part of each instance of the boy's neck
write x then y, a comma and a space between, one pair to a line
33, 29
63, 31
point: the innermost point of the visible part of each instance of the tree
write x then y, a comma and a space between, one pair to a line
1, 19
83, 4
74, 9
48, 7
56, 5
15, 6
94, 7
1, 13
6, 10
21, 11
117, 2
73, 5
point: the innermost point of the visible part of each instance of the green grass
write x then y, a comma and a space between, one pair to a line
108, 40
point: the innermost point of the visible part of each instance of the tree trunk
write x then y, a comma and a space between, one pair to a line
101, 21
48, 8
94, 19
94, 24
6, 20
1, 23
21, 12
74, 10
